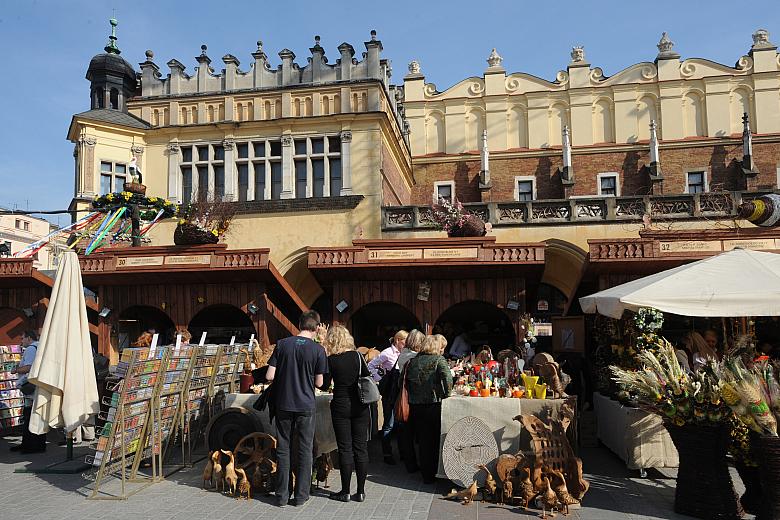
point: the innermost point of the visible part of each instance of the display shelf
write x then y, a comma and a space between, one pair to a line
11, 398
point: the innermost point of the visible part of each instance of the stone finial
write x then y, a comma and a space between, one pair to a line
149, 55
578, 54
666, 47
111, 47
495, 59
259, 54
373, 35
761, 39
414, 67
317, 46
203, 57
203, 49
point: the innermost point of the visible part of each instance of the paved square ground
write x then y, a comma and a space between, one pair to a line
392, 494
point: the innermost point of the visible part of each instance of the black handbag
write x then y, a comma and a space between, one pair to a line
368, 391
27, 388
265, 399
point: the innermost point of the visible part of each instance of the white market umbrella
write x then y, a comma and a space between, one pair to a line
732, 284
63, 370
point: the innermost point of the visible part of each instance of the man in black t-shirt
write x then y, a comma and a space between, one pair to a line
296, 367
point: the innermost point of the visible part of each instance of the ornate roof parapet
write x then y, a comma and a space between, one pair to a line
262, 75
763, 53
494, 61
578, 57
666, 48
761, 40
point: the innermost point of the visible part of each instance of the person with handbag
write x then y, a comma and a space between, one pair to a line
384, 370
405, 437
349, 409
428, 381
31, 442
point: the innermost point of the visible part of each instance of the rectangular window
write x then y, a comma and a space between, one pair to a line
276, 180
300, 147
203, 180
112, 177
219, 153
186, 184
334, 144
443, 190
276, 148
335, 177
317, 146
203, 153
243, 151
186, 154
26, 225
219, 181
524, 189
318, 176
300, 178
260, 181
608, 185
243, 182
18, 224
697, 182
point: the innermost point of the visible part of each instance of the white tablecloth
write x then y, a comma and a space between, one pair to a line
636, 436
498, 414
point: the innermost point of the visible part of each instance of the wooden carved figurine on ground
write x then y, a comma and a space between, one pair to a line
218, 475
490, 482
208, 471
244, 487
506, 492
322, 468
558, 484
547, 498
466, 495
231, 477
527, 491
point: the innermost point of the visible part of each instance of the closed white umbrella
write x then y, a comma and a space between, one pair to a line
63, 369
732, 284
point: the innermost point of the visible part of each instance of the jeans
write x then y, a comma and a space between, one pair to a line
388, 413
425, 420
288, 424
351, 424
31, 441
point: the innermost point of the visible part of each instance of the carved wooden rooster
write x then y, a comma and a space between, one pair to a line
547, 498
526, 491
218, 476
244, 487
208, 471
467, 495
490, 482
558, 483
231, 477
322, 468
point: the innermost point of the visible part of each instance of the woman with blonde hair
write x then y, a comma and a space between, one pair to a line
428, 382
351, 418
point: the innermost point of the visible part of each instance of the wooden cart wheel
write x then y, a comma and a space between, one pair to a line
505, 465
254, 448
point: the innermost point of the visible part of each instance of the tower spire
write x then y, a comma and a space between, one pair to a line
111, 47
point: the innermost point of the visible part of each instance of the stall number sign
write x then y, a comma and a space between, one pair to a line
395, 254
691, 246
147, 261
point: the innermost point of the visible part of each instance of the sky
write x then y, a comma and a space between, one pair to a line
46, 46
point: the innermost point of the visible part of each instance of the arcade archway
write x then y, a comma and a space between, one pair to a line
221, 323
375, 323
483, 324
140, 318
12, 325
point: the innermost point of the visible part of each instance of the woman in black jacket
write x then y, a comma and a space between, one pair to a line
351, 418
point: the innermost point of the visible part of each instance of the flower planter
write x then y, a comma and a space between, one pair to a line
134, 187
473, 227
766, 450
189, 235
704, 487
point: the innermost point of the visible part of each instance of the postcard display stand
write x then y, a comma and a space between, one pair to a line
162, 401
11, 398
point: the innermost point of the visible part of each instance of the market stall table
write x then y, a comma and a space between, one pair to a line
498, 414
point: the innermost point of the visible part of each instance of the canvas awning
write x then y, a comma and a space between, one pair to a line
732, 284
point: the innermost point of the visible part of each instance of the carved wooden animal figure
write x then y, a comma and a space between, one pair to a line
218, 476
558, 484
244, 487
322, 468
258, 479
506, 492
231, 477
551, 373
208, 471
467, 495
547, 498
490, 482
536, 476
527, 491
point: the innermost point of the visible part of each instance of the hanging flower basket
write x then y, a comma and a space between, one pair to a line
473, 226
191, 235
766, 450
704, 487
453, 218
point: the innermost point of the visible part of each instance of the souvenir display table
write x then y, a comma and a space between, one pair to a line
498, 414
636, 436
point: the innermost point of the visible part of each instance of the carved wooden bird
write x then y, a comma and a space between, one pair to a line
322, 468
231, 477
467, 495
244, 487
258, 479
558, 484
506, 492
547, 498
526, 491
218, 476
208, 471
490, 482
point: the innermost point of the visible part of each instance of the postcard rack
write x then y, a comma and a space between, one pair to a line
11, 398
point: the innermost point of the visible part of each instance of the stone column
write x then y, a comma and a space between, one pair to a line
87, 160
287, 167
231, 175
174, 178
346, 163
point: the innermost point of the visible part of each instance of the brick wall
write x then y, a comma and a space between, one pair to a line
395, 191
721, 160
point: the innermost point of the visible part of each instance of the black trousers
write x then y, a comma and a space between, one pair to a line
287, 424
351, 423
31, 441
425, 421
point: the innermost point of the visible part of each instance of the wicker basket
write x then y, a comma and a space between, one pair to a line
134, 187
473, 227
766, 451
704, 487
751, 479
189, 235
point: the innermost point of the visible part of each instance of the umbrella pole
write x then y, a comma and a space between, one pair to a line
69, 466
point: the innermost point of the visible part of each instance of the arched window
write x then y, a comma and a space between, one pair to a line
267, 110
475, 125
278, 108
100, 98
250, 111
337, 104
557, 120
603, 130
296, 107
155, 117
693, 115
740, 105
239, 112
436, 133
517, 124
210, 113
308, 105
646, 112
114, 99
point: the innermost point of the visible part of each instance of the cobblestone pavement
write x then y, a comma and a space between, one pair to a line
392, 494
